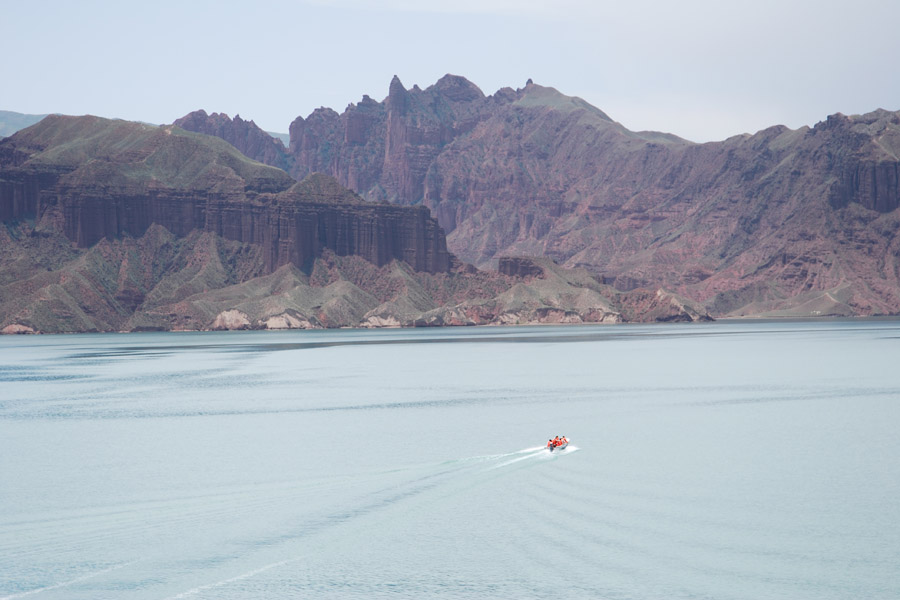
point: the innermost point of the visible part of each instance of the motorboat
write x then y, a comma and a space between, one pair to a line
559, 447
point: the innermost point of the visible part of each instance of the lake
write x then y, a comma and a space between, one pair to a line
726, 460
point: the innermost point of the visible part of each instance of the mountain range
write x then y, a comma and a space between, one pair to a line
111, 225
442, 206
780, 223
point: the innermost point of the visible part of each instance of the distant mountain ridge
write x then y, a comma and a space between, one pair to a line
11, 122
781, 223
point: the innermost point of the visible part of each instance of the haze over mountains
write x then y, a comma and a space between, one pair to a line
11, 122
779, 223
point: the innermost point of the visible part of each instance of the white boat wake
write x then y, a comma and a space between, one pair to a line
236, 578
70, 582
448, 469
536, 453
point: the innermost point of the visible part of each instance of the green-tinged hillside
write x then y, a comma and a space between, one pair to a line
126, 155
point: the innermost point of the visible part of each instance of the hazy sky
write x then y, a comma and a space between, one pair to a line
702, 69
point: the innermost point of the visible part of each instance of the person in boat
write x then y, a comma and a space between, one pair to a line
549, 443
563, 440
556, 441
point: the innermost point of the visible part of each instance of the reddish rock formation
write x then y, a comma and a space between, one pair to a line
110, 225
246, 136
784, 221
105, 179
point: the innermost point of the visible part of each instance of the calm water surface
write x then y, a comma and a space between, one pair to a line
719, 461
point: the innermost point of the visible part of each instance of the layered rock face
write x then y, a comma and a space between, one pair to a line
782, 222
97, 179
863, 159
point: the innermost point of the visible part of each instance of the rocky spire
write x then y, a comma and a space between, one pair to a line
397, 96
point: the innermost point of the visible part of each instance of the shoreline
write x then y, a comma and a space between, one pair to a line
722, 320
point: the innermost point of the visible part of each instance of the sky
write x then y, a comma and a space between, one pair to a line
701, 69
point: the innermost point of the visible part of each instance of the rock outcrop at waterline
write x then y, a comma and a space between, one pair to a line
162, 282
97, 179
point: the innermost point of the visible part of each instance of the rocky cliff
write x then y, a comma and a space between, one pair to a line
111, 225
782, 222
97, 179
